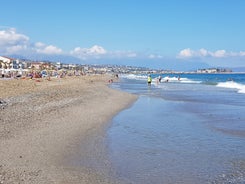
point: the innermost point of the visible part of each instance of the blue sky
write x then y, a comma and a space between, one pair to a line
155, 33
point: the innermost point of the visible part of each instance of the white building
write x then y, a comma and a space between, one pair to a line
8, 65
5, 62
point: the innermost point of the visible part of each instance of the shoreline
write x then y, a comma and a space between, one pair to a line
52, 130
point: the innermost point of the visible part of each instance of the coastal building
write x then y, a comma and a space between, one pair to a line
41, 66
213, 70
69, 66
10, 67
58, 65
35, 65
208, 70
6, 62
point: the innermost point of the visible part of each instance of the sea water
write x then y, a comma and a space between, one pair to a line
187, 129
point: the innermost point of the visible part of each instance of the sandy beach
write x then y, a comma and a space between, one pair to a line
50, 130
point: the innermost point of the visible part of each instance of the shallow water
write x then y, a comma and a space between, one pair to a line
182, 134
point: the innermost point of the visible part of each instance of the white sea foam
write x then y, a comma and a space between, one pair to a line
232, 85
164, 79
133, 76
181, 80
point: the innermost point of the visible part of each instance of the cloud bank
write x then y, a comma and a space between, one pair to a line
201, 53
15, 43
12, 42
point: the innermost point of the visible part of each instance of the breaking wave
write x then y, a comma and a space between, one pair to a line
232, 85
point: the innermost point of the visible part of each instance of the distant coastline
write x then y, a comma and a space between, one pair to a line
10, 67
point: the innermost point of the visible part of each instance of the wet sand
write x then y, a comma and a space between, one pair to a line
51, 131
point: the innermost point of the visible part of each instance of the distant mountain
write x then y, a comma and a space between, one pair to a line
238, 69
163, 64
51, 58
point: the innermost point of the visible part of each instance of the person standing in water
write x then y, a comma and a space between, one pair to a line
149, 80
159, 78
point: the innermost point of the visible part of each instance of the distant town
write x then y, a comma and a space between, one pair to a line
10, 66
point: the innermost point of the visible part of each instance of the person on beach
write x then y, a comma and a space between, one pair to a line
159, 78
166, 79
149, 80
3, 72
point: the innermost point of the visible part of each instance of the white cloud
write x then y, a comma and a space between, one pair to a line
95, 50
203, 52
12, 42
219, 53
16, 49
84, 53
188, 53
10, 37
50, 49
39, 45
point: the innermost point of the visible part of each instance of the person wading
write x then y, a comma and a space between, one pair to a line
149, 80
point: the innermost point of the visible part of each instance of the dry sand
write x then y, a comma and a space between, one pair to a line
53, 131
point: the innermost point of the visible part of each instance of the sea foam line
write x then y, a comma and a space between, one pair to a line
164, 79
232, 85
